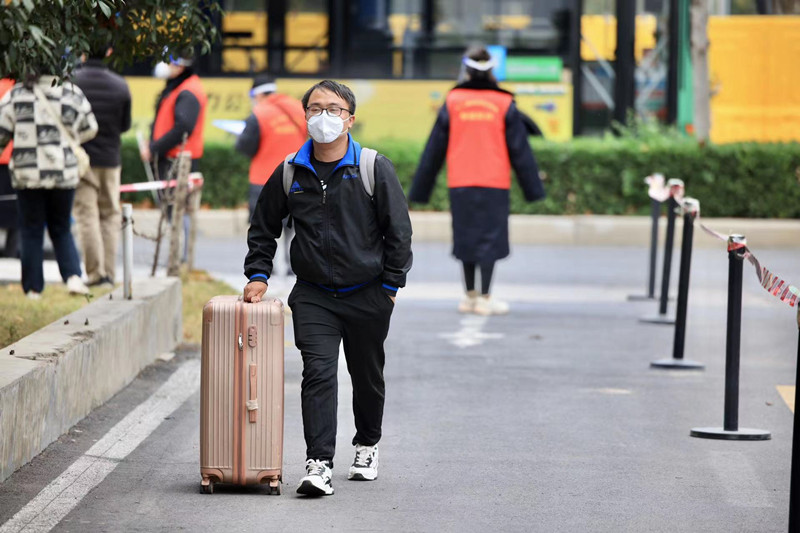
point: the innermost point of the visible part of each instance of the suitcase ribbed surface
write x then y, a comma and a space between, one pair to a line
233, 446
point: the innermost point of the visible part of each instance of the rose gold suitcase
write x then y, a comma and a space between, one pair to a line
241, 405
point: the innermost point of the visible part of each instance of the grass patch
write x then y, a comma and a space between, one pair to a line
21, 316
198, 288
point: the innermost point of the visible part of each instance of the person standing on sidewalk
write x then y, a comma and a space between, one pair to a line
44, 171
8, 198
351, 253
180, 110
97, 210
276, 128
482, 135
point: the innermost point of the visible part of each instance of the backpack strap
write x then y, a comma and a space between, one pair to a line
366, 168
288, 173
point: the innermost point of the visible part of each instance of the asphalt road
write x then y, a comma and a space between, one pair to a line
548, 419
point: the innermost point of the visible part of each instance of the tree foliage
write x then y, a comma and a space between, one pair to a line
50, 36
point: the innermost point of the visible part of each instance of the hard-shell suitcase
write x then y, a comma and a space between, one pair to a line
241, 405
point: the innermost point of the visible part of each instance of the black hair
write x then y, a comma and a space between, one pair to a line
262, 79
340, 90
480, 54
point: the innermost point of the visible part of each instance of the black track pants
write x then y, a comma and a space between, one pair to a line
321, 321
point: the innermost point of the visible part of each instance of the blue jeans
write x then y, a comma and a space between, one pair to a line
52, 208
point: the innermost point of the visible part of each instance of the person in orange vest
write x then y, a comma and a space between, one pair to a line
481, 133
276, 127
180, 110
8, 198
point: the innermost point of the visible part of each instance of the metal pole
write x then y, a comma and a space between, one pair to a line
575, 64
625, 60
676, 189
683, 285
794, 487
673, 37
691, 208
127, 251
655, 213
669, 242
737, 246
733, 333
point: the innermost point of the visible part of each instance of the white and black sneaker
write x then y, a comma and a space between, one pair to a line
365, 465
317, 481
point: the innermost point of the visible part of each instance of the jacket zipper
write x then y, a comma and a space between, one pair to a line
327, 231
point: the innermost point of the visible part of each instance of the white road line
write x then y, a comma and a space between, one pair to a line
65, 492
471, 333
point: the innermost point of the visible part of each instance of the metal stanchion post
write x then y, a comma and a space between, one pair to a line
676, 188
127, 251
691, 209
655, 213
730, 429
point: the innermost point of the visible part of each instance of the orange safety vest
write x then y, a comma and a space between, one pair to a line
5, 86
282, 130
477, 155
165, 117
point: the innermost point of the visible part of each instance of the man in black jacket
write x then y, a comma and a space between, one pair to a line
351, 252
96, 209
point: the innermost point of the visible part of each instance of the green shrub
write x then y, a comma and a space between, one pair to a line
585, 176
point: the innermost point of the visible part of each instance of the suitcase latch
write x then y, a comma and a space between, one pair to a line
241, 343
252, 336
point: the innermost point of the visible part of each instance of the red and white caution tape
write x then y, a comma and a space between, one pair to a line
195, 180
660, 191
774, 284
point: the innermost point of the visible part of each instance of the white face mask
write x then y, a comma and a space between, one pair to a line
324, 128
162, 71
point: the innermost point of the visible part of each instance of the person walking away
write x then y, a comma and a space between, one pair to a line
97, 209
482, 135
44, 172
275, 128
351, 253
8, 198
180, 111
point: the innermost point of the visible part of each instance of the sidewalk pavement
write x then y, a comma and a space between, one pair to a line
560, 230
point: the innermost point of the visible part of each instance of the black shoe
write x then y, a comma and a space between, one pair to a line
104, 283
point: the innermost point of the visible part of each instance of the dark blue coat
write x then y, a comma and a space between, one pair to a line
480, 214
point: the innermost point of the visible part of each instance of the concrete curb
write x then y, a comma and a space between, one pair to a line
560, 230
58, 374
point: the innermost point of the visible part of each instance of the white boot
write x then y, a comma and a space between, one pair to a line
467, 305
486, 306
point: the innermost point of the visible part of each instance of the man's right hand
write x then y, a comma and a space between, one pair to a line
254, 291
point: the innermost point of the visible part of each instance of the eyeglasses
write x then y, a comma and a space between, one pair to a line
332, 111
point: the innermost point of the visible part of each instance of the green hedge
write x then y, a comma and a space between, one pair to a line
585, 176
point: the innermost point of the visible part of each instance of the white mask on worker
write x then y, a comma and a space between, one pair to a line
324, 128
162, 71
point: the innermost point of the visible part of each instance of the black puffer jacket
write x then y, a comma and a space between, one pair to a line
343, 237
110, 98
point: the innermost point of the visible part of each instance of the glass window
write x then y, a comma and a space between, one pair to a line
307, 32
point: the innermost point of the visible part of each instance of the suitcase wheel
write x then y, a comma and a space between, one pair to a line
275, 487
207, 487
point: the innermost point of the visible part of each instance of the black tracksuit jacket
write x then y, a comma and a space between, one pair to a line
344, 239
